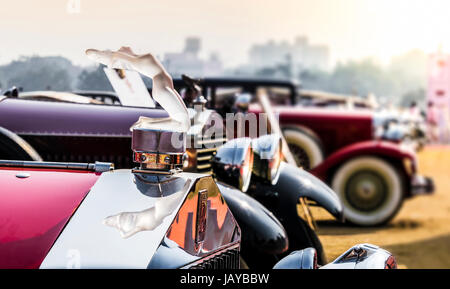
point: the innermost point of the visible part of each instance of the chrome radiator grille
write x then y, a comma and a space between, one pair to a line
206, 153
223, 260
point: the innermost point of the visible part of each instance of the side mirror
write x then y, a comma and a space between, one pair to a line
233, 163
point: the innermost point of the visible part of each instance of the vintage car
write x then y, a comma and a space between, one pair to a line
106, 136
79, 215
155, 199
372, 176
59, 130
88, 215
64, 131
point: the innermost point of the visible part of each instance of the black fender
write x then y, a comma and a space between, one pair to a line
263, 236
13, 147
283, 197
295, 182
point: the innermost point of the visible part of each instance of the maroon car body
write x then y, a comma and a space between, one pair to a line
336, 129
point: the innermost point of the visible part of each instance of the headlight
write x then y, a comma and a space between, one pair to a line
268, 156
233, 163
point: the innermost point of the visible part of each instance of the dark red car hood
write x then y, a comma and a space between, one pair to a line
34, 211
335, 128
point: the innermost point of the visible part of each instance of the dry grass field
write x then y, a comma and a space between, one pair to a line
419, 236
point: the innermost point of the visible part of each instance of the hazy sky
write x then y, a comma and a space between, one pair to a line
352, 28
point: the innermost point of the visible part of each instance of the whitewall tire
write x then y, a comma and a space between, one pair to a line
371, 190
305, 149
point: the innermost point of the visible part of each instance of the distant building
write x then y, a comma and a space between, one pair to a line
188, 62
300, 53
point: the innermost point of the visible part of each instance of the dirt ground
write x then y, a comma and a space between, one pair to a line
419, 236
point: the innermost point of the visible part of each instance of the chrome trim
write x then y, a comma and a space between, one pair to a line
221, 141
421, 185
362, 256
206, 150
155, 172
72, 134
199, 263
96, 167
101, 167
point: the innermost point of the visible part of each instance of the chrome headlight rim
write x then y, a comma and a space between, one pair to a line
268, 157
233, 163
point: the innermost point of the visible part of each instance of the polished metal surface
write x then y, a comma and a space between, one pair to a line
158, 161
363, 256
152, 141
100, 246
226, 258
268, 157
233, 163
101, 167
127, 218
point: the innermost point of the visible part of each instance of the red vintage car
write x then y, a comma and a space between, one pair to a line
87, 215
371, 176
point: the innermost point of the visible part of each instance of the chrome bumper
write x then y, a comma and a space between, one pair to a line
421, 185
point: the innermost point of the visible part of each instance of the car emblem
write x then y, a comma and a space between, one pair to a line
202, 208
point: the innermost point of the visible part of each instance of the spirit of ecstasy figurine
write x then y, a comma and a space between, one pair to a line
163, 91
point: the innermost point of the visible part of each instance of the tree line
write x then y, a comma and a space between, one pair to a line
401, 81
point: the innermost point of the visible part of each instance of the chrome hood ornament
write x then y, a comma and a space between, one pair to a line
163, 90
158, 143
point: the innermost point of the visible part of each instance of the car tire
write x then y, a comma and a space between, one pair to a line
305, 148
371, 190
